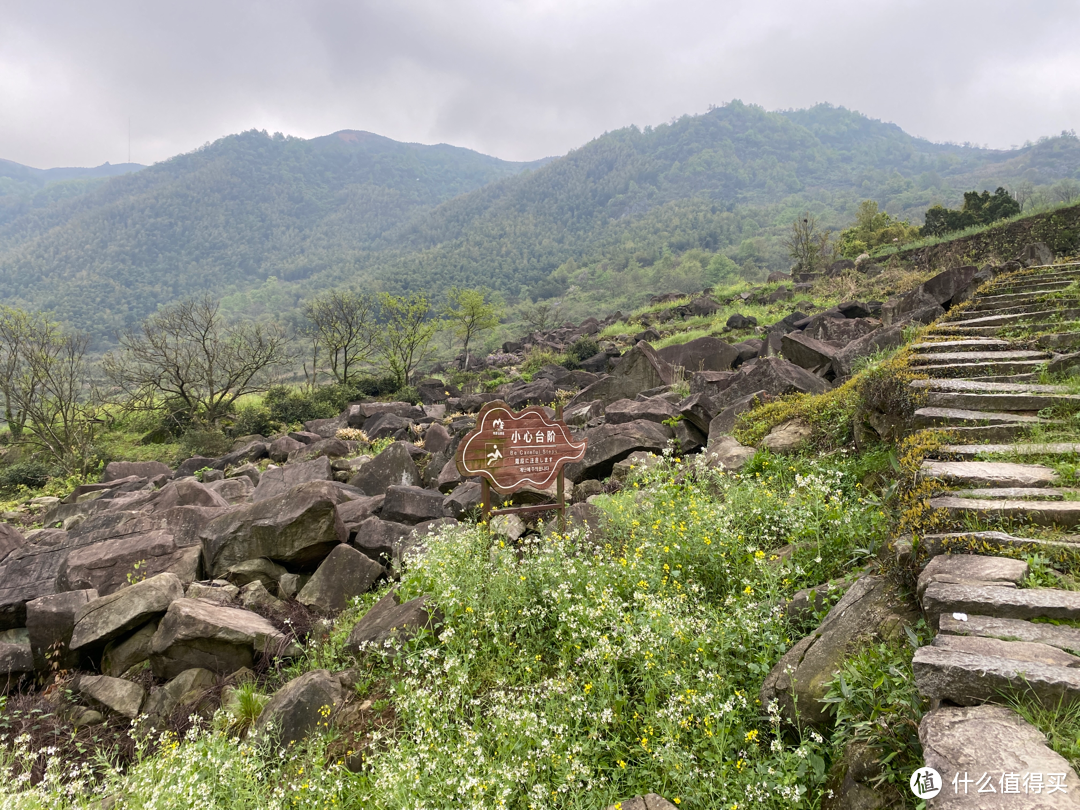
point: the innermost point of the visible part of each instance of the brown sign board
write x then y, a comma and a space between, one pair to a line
519, 449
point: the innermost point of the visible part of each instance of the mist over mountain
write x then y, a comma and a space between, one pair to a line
264, 220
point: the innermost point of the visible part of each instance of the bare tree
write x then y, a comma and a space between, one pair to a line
1067, 190
1024, 193
808, 244
343, 324
539, 316
49, 391
188, 355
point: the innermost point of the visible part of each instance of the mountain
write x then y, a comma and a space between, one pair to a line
263, 221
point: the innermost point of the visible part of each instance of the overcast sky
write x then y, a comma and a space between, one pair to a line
520, 79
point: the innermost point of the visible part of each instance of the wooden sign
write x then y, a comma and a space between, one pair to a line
514, 450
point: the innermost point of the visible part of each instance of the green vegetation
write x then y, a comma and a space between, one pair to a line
873, 229
978, 209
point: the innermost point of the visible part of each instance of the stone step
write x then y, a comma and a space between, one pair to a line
972, 569
981, 357
933, 417
988, 387
972, 671
1036, 298
1063, 637
998, 402
1006, 368
989, 473
1014, 493
1006, 298
1038, 314
973, 344
975, 748
994, 600
992, 542
1019, 449
946, 330
1060, 341
1063, 513
969, 434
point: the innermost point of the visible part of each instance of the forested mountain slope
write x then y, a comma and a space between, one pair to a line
263, 221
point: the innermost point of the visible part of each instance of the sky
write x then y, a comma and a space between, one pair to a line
519, 79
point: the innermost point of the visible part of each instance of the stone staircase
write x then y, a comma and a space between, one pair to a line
994, 638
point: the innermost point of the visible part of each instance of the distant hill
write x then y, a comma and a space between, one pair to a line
263, 221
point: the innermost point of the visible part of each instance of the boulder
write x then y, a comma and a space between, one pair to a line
123, 653
304, 436
327, 428
254, 596
381, 540
701, 354
939, 290
248, 471
195, 633
412, 504
324, 448
277, 481
108, 565
346, 573
841, 331
724, 422
115, 694
16, 657
190, 466
808, 353
1036, 254
252, 451
699, 410
356, 511
788, 437
432, 391
116, 470
437, 439
186, 689
638, 370
297, 529
609, 444
280, 449
389, 620
386, 425
711, 383
653, 409
967, 742
872, 609
890, 337
49, 622
108, 617
463, 499
301, 706
541, 392
10, 539
738, 321
773, 375
727, 454
650, 801
268, 572
393, 466
30, 571
233, 490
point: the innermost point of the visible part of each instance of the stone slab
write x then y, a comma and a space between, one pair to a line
989, 473
1063, 637
1013, 603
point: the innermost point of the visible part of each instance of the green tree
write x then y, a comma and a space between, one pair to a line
342, 323
190, 359
872, 229
978, 209
404, 339
469, 312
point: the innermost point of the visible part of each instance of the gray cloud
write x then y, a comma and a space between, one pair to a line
519, 79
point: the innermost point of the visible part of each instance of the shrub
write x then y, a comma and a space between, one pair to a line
252, 419
204, 441
407, 393
537, 358
583, 348
32, 474
290, 405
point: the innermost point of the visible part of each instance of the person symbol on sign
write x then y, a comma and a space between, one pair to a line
493, 456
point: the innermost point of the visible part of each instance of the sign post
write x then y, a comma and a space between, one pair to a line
511, 450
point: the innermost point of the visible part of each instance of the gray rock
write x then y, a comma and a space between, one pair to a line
49, 622
355, 512
650, 801
638, 370
388, 620
653, 409
995, 600
259, 569
108, 565
773, 375
541, 392
233, 490
1037, 254
449, 477
10, 539
300, 707
297, 529
280, 449
122, 654
871, 609
511, 527
394, 466
702, 354
463, 500
698, 410
609, 444
965, 743
807, 352
280, 480
881, 340
248, 471
115, 694
405, 504
711, 383
254, 596
186, 689
724, 422
437, 439
940, 290
1030, 651
195, 633
16, 656
109, 617
963, 624
218, 591
727, 454
788, 437
115, 470
346, 573
324, 448
381, 540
